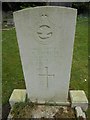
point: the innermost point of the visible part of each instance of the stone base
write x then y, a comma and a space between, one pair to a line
18, 95
67, 103
78, 98
80, 113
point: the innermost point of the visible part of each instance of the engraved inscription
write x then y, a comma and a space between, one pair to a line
44, 32
47, 75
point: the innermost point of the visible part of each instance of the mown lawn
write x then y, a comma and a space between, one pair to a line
12, 76
79, 72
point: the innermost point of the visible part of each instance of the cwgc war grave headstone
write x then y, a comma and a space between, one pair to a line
46, 37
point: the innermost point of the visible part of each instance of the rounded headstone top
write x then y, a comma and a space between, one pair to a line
47, 7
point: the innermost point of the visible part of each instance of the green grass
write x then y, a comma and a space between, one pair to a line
79, 70
12, 70
12, 76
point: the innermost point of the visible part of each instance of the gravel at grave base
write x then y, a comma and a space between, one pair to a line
44, 111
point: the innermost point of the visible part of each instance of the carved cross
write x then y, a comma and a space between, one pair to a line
47, 75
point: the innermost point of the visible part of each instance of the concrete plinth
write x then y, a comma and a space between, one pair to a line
78, 98
18, 95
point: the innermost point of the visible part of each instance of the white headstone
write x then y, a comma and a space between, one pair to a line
45, 37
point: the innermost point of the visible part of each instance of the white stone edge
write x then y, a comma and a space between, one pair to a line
80, 112
10, 116
77, 103
71, 91
53, 103
15, 100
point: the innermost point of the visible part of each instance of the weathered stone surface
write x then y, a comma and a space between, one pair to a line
18, 95
80, 113
45, 37
78, 98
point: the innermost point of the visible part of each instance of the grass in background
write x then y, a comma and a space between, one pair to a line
12, 76
12, 70
79, 72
